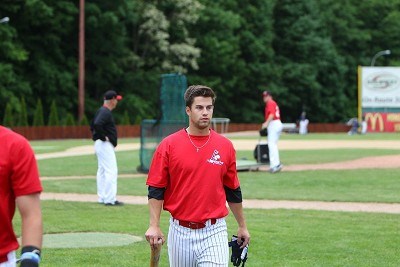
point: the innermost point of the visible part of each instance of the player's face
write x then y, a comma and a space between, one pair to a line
201, 111
114, 102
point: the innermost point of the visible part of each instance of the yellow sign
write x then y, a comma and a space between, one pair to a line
375, 118
393, 117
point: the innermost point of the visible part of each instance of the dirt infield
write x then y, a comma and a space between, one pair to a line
386, 162
381, 162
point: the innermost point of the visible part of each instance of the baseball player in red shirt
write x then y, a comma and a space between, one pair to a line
274, 125
192, 176
19, 187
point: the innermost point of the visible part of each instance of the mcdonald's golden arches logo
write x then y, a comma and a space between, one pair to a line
375, 118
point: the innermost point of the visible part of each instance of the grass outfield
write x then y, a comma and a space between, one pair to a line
323, 185
129, 160
279, 237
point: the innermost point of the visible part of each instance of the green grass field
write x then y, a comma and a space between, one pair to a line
280, 237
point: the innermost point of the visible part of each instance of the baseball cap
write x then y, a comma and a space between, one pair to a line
111, 94
266, 93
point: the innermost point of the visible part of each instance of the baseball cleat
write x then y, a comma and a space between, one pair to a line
116, 203
276, 169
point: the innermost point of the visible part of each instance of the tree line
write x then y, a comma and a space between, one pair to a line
305, 52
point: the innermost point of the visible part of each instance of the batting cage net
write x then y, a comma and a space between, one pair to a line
173, 87
173, 118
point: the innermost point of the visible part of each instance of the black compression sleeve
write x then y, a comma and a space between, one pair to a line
233, 195
156, 192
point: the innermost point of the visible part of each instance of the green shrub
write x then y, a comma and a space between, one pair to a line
84, 121
53, 116
23, 115
69, 120
38, 119
125, 119
8, 120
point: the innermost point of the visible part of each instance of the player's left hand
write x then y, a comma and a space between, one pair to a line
264, 125
243, 236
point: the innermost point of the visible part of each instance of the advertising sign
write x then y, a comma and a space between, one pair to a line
382, 122
380, 87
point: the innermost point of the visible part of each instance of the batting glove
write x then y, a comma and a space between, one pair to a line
239, 255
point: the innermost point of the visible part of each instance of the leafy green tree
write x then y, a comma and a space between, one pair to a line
143, 40
305, 52
38, 119
53, 116
351, 40
48, 31
220, 65
8, 119
312, 72
13, 57
255, 40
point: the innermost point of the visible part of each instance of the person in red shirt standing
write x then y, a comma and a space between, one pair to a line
192, 175
19, 186
274, 125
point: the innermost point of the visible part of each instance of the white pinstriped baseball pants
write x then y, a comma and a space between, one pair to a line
204, 247
11, 262
107, 172
274, 132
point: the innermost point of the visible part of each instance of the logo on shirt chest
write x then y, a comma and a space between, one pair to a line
215, 158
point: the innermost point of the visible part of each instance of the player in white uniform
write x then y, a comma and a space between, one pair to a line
193, 175
274, 125
303, 123
105, 136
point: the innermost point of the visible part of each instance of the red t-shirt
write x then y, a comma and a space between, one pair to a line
18, 176
194, 181
272, 108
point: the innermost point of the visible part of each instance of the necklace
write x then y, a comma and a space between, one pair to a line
198, 147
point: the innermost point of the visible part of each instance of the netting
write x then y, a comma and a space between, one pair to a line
151, 133
173, 118
173, 87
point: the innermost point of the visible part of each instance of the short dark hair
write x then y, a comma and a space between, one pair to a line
266, 93
198, 90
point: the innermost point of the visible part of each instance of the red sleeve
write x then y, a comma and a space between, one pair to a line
25, 174
270, 109
231, 179
158, 172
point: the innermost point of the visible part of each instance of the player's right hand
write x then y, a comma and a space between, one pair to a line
154, 236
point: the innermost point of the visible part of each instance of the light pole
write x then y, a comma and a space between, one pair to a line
380, 53
5, 20
81, 80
